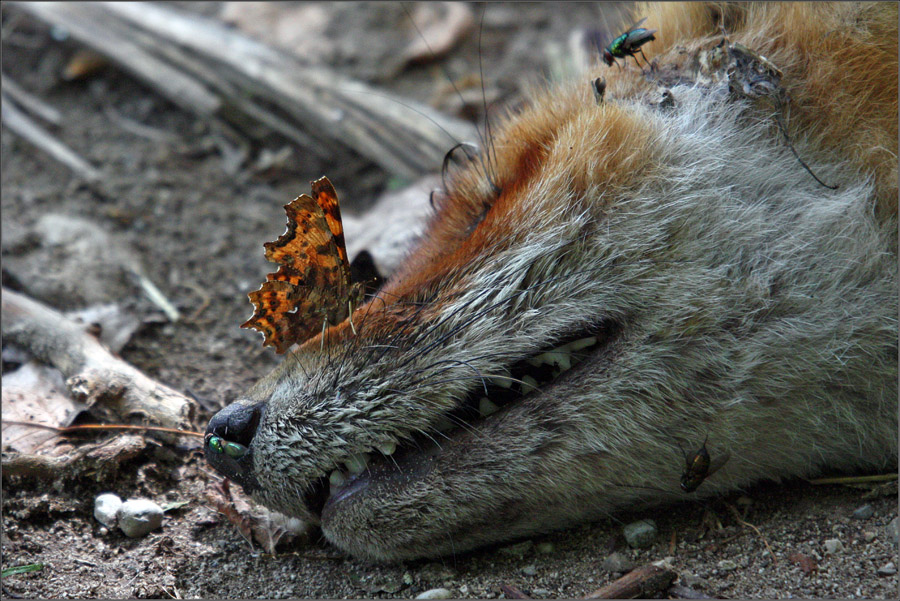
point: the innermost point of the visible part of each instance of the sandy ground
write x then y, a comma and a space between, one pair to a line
198, 224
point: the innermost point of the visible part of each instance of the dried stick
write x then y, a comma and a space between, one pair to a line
18, 122
737, 515
29, 102
172, 83
645, 583
251, 84
110, 387
100, 427
854, 479
512, 592
98, 459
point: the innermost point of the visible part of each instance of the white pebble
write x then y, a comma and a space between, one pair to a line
834, 546
137, 517
435, 593
888, 569
106, 506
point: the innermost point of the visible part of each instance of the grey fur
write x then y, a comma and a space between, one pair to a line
755, 308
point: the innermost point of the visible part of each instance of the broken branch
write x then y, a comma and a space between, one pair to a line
109, 386
19, 123
645, 583
222, 74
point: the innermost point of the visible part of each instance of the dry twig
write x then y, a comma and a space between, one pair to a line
221, 74
22, 125
645, 583
109, 386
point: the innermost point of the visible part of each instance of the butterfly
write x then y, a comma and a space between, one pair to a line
312, 287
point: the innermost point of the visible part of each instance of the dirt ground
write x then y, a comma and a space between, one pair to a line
197, 218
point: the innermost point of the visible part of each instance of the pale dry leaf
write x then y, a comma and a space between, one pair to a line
440, 26
35, 393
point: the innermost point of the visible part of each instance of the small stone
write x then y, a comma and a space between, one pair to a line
640, 534
435, 593
529, 570
834, 546
541, 592
726, 565
869, 536
106, 506
888, 569
894, 530
617, 562
137, 517
864, 512
544, 548
692, 581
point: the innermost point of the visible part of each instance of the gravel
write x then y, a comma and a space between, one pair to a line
106, 507
640, 534
617, 562
137, 517
726, 565
436, 593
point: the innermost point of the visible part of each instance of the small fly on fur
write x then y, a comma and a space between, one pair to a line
629, 44
700, 467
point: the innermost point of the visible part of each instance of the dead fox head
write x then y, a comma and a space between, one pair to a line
609, 276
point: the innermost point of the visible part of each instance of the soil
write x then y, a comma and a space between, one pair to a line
173, 192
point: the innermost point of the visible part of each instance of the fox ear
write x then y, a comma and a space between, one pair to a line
363, 269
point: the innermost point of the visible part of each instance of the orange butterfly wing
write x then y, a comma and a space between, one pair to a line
312, 285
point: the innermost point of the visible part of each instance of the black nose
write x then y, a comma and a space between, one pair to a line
229, 435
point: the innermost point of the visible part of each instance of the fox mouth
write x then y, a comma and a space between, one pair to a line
392, 466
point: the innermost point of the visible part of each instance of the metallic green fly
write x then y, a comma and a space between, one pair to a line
629, 44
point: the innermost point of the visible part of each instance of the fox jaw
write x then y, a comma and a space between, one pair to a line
605, 282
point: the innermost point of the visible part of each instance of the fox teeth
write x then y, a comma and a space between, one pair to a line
579, 344
559, 357
501, 381
356, 464
487, 407
387, 448
337, 478
528, 382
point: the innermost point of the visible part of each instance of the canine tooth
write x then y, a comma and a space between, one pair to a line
356, 464
581, 343
502, 382
561, 359
387, 448
528, 381
337, 478
487, 407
